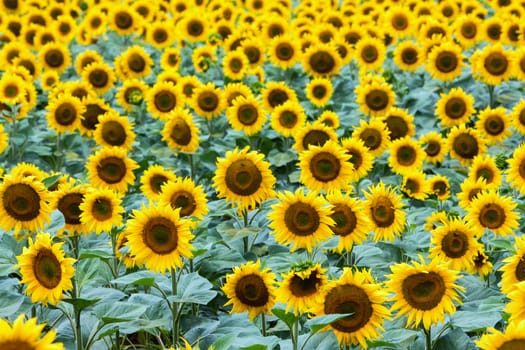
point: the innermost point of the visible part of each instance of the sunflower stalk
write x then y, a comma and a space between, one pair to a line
174, 309
58, 153
428, 338
492, 97
263, 324
295, 334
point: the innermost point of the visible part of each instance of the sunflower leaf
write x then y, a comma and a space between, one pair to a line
287, 317
193, 288
139, 278
318, 323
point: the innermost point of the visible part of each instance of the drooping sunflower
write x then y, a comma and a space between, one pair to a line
114, 130
288, 118
101, 209
25, 204
100, 77
185, 195
64, 113
415, 185
385, 211
370, 53
325, 168
470, 188
435, 147
424, 291
250, 289
406, 156
374, 134
493, 125
246, 114
514, 267
490, 210
316, 134
110, 167
484, 166
180, 131
455, 107
158, 238
465, 144
319, 91
445, 61
301, 288
27, 335
67, 200
351, 221
208, 101
357, 293
276, 93
512, 338
244, 178
45, 270
321, 60
136, 62
55, 56
439, 186
360, 157
152, 180
516, 171
454, 243
492, 64
300, 219
162, 99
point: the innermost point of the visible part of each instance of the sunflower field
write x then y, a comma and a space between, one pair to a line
262, 174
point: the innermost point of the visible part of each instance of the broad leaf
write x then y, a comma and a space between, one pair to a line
318, 323
193, 288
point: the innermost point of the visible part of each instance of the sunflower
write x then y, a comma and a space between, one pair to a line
114, 130
65, 26
360, 157
516, 305
188, 84
94, 108
321, 60
512, 338
100, 77
180, 131
250, 289
95, 22
253, 49
455, 107
414, 185
375, 98
235, 65
158, 238
194, 26
492, 64
316, 134
12, 89
351, 222
374, 134
246, 114
101, 209
45, 270
111, 168
170, 58
27, 335
492, 29
370, 53
208, 101
384, 208
234, 90
328, 118
277, 93
162, 99
465, 144
4, 138
354, 292
55, 56
284, 51
484, 166
244, 178
424, 292
301, 288
160, 35
67, 200
319, 91
136, 62
325, 168
518, 63
24, 204
467, 28
170, 75
64, 113
516, 171
131, 93
493, 125
399, 22
24, 169
490, 210
445, 61
470, 189
439, 186
202, 57
152, 180
517, 116
301, 219
123, 20
434, 146
454, 243
514, 267
85, 58
399, 123
185, 195
288, 118
406, 156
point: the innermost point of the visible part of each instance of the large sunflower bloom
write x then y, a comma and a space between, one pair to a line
514, 267
494, 212
45, 270
110, 167
512, 338
27, 335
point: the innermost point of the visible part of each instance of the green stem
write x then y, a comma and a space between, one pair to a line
175, 319
115, 266
58, 153
491, 95
263, 324
295, 334
192, 166
428, 338
78, 324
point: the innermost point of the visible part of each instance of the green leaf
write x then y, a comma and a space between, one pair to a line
95, 254
193, 288
81, 304
119, 311
51, 180
139, 278
287, 317
229, 231
455, 339
57, 222
502, 244
318, 323
225, 342
278, 158
474, 321
9, 303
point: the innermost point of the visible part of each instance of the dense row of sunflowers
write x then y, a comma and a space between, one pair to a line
335, 173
